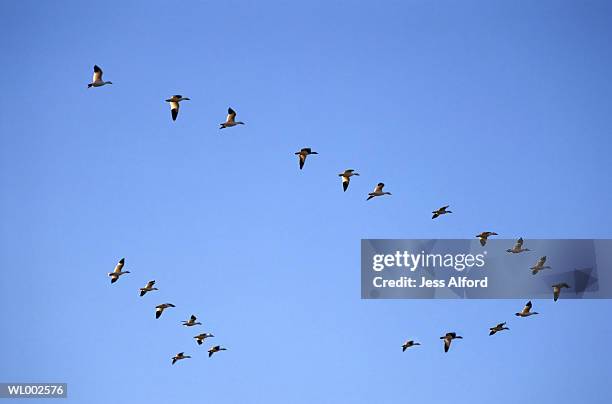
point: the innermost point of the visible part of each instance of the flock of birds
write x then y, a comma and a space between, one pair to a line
525, 312
302, 154
159, 309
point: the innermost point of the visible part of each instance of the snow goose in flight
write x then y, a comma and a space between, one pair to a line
499, 327
557, 289
97, 78
159, 309
214, 349
174, 104
346, 177
518, 247
179, 356
230, 120
408, 344
378, 191
303, 153
484, 236
201, 337
441, 211
191, 322
539, 265
118, 271
448, 338
526, 312
148, 288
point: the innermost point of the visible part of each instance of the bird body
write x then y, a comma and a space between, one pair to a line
201, 337
214, 349
303, 153
484, 236
378, 191
179, 356
159, 309
191, 322
408, 344
442, 211
230, 120
148, 288
174, 104
557, 289
448, 338
118, 271
499, 327
539, 265
526, 312
97, 78
346, 177
518, 247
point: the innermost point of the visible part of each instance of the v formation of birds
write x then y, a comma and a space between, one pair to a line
230, 121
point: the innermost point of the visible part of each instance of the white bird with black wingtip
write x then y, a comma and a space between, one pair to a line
378, 191
346, 177
303, 153
118, 271
230, 120
174, 104
97, 78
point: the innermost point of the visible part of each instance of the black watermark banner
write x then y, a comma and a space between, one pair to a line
499, 269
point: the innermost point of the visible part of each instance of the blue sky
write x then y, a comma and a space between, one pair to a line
500, 109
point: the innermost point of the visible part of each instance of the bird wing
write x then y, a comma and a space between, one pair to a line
379, 187
97, 74
447, 342
193, 318
231, 115
519, 244
302, 158
119, 266
174, 109
527, 308
150, 284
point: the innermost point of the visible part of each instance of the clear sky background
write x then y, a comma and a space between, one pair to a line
500, 109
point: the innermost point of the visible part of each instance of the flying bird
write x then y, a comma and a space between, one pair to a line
230, 120
97, 78
214, 349
159, 309
484, 236
526, 312
174, 104
408, 344
499, 327
303, 153
441, 211
448, 339
201, 337
118, 271
378, 191
346, 177
557, 289
179, 356
148, 288
191, 322
539, 265
518, 247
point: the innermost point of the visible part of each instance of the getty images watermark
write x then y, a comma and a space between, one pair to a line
449, 269
33, 390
